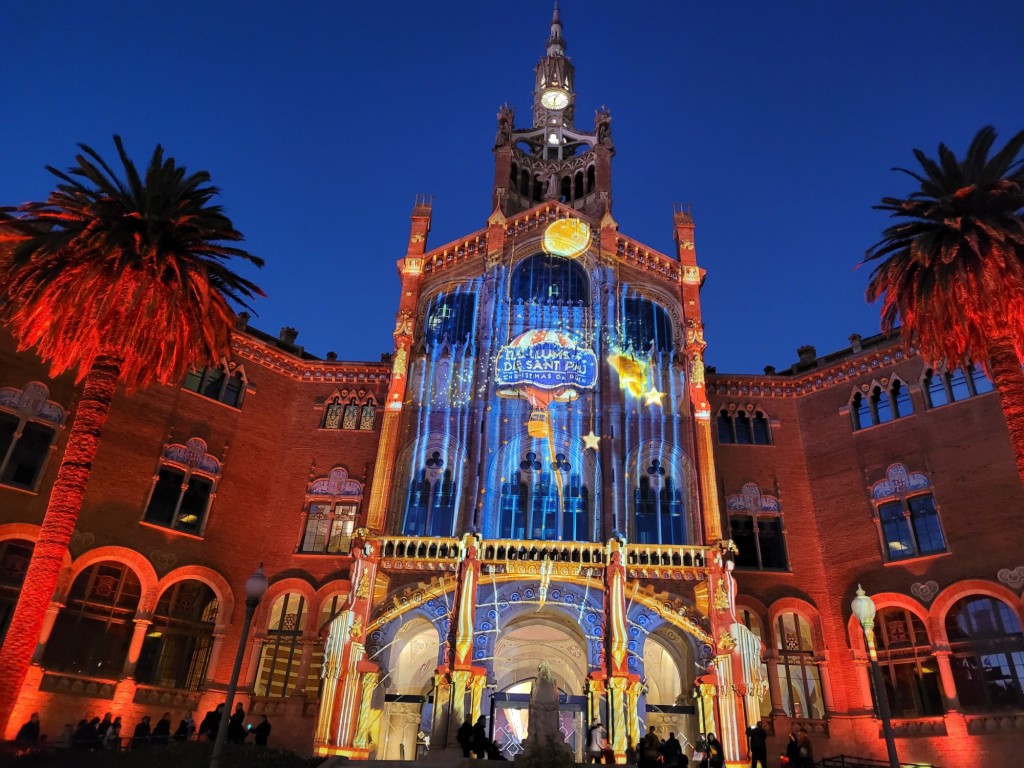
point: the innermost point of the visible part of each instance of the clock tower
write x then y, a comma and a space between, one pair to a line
552, 160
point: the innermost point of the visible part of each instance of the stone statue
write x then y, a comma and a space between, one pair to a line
544, 737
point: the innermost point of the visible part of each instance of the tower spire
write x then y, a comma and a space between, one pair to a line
556, 43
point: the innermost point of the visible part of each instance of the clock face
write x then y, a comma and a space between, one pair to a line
554, 99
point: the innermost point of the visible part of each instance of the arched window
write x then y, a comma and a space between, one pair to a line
28, 422
177, 647
450, 317
332, 505
645, 325
282, 650
94, 629
755, 521
184, 487
658, 507
798, 674
549, 503
224, 383
943, 386
738, 426
908, 520
909, 669
988, 654
880, 404
349, 411
14, 557
549, 280
430, 503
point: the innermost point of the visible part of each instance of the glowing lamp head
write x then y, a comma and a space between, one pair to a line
256, 585
863, 607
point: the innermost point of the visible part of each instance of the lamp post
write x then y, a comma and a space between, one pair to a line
864, 609
255, 588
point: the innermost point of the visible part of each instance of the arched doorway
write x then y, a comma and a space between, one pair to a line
525, 643
406, 684
668, 701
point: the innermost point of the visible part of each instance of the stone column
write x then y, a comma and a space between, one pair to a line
952, 701
827, 700
216, 648
774, 687
255, 654
52, 612
864, 683
135, 648
439, 717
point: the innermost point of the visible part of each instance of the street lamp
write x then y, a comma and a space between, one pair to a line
864, 609
255, 588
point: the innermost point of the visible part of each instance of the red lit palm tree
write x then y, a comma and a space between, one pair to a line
952, 268
120, 280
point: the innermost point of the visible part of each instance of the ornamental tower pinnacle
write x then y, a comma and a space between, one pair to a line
553, 97
552, 159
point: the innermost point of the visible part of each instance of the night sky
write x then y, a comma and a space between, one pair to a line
777, 123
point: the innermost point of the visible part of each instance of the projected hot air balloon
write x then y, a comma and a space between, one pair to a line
543, 366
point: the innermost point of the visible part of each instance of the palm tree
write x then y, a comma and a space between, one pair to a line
120, 280
952, 269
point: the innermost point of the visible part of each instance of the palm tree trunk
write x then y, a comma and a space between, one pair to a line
55, 532
1005, 367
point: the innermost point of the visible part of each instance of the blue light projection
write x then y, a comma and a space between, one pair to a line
512, 371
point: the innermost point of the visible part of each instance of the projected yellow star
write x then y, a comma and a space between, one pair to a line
590, 441
653, 397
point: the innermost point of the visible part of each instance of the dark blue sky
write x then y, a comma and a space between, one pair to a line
777, 122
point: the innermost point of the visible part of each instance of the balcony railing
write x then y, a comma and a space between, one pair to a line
655, 561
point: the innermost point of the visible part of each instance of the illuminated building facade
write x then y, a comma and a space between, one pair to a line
542, 470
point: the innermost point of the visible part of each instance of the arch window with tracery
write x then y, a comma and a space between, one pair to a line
545, 500
431, 498
743, 426
224, 383
988, 653
658, 506
451, 318
756, 527
28, 428
798, 673
177, 647
14, 558
344, 410
909, 669
546, 279
184, 488
329, 517
907, 518
943, 386
282, 650
880, 404
645, 326
93, 630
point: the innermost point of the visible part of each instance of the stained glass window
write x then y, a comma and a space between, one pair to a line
282, 650
548, 279
910, 672
332, 415
451, 318
801, 682
645, 324
368, 413
350, 419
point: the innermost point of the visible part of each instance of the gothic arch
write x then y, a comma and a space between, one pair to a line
668, 456
887, 600
507, 458
802, 608
416, 452
137, 562
961, 589
292, 585
212, 579
661, 298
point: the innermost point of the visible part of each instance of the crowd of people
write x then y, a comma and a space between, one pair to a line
96, 733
